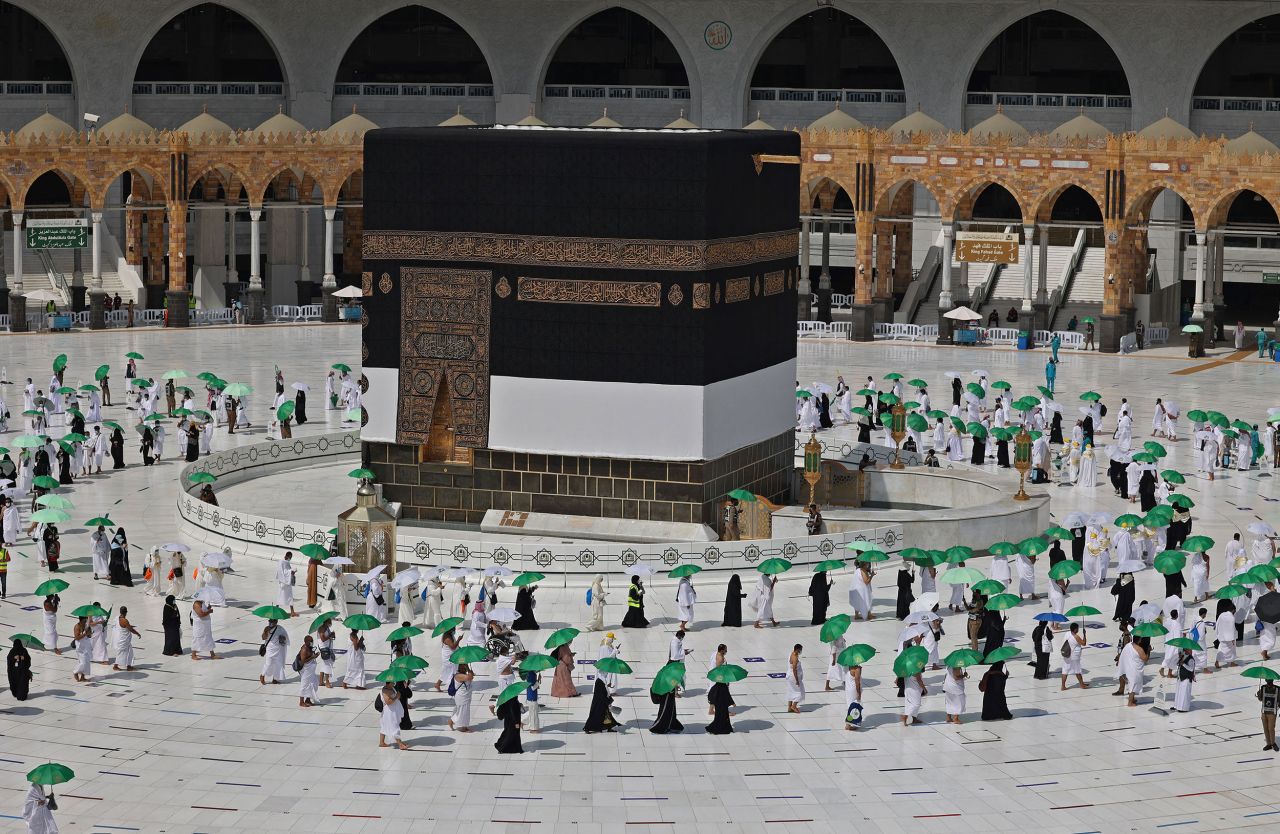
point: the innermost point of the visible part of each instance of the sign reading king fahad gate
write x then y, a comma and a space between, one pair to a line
987, 247
57, 234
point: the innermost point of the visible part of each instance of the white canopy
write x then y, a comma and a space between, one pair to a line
962, 314
349, 292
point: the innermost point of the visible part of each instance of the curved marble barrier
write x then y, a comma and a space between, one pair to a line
267, 537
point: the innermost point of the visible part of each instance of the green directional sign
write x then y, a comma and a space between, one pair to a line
57, 234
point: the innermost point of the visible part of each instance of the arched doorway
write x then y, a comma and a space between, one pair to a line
1248, 261
204, 52
414, 66
1239, 86
1043, 69
823, 58
620, 60
32, 63
54, 195
989, 207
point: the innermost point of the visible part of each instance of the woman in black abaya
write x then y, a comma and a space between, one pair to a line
1147, 490
524, 607
635, 605
864, 430
666, 722
600, 717
994, 705
820, 593
1077, 544
117, 449
19, 668
172, 622
1124, 591
993, 627
733, 603
509, 741
979, 455
720, 699
905, 595
1055, 428
1042, 654
117, 564
64, 467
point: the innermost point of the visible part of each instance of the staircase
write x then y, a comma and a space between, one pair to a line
1006, 290
1084, 295
45, 269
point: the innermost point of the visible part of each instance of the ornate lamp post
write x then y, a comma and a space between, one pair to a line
813, 464
367, 533
1022, 461
898, 429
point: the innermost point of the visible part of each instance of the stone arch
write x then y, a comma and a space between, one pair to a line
824, 189
33, 39
333, 187
1049, 197
1139, 207
964, 197
642, 10
1207, 80
891, 200
68, 176
1220, 206
153, 182
231, 176
835, 15
346, 73
241, 8
1016, 15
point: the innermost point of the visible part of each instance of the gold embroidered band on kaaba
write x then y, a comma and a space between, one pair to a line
597, 253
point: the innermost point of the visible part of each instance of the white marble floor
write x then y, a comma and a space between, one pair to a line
182, 746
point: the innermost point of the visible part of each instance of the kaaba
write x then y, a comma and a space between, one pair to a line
586, 322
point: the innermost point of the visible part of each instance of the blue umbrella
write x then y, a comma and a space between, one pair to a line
1050, 617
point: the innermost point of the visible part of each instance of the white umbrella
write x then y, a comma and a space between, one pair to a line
349, 292
962, 314
433, 573
43, 295
925, 602
910, 633
821, 388
1131, 566
980, 372
921, 617
638, 569
504, 615
1099, 519
1261, 528
498, 570
216, 559
211, 594
952, 374
1171, 407
405, 578
175, 547
460, 573
1075, 519
301, 386
333, 561
377, 569
1147, 613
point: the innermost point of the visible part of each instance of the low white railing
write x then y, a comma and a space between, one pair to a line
612, 92
431, 90
910, 332
1068, 100
1000, 335
823, 330
1156, 336
829, 96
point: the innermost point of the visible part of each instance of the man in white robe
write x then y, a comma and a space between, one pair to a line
284, 584
685, 599
273, 662
1088, 469
101, 552
99, 449
1225, 629
1124, 432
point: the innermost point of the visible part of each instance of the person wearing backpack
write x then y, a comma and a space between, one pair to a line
305, 665
274, 650
1073, 657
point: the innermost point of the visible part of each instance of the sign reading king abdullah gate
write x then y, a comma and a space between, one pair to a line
57, 234
987, 247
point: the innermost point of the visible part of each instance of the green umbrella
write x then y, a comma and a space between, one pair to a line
1001, 654
154, 418
404, 631
321, 620
527, 578
51, 774
894, 376
1002, 602
1155, 448
285, 411
962, 658
936, 414
1149, 630
975, 389
866, 392
397, 673
959, 553
112, 424
774, 566
1196, 415
140, 383
338, 366
1198, 544
102, 373
411, 661
889, 399
511, 690
51, 586
538, 663
1231, 591
1184, 643
1088, 320
1260, 672
1238, 425
802, 394
856, 655
861, 412
961, 576
1154, 519
60, 363
1182, 501
873, 556
1144, 457
100, 521
365, 474
1173, 476
1059, 533
174, 374
55, 502
207, 376
1192, 328
362, 622
314, 551
218, 384
272, 612
668, 678
1217, 418
181, 412
51, 516
835, 627
681, 571
1044, 392
238, 389
743, 495
610, 666
1128, 520
89, 387
1065, 569
916, 554
917, 422
74, 437
29, 640
1001, 385
728, 673
133, 354
1091, 396
1083, 611
202, 478
447, 624
66, 391
830, 564
1262, 574
958, 425
989, 587
917, 383
560, 637
469, 654
1170, 562
910, 661
1000, 433
89, 611
861, 546
27, 441
1032, 546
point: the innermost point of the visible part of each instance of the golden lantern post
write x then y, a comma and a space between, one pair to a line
898, 429
813, 464
1022, 461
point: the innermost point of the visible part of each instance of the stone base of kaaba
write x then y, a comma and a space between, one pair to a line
688, 492
554, 526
